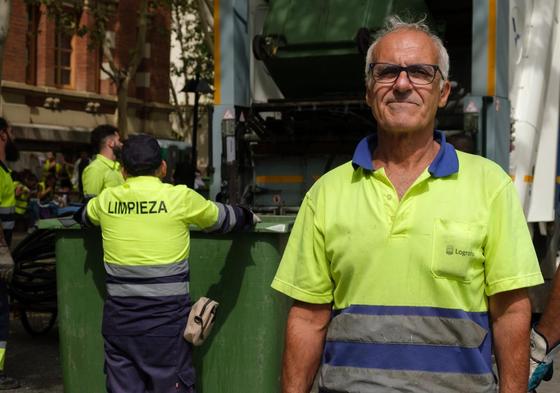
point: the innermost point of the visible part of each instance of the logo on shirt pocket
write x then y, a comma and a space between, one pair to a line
457, 250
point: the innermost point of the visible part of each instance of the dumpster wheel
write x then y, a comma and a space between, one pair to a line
37, 323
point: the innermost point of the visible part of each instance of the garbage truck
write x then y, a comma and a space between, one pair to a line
289, 100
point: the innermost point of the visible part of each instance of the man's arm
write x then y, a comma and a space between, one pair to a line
511, 317
549, 324
305, 337
545, 338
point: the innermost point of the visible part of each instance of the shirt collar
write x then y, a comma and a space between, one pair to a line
143, 179
445, 162
110, 163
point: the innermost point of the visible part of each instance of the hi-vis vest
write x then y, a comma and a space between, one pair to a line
22, 200
145, 223
7, 198
409, 277
101, 173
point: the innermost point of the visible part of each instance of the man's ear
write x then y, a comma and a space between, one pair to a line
444, 94
162, 171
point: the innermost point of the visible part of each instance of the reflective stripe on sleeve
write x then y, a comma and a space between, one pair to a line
227, 219
148, 290
147, 271
221, 218
232, 218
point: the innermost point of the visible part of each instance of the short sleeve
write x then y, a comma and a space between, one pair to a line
92, 180
304, 272
93, 210
511, 261
200, 211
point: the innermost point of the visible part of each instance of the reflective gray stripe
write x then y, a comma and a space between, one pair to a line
221, 218
232, 218
406, 329
352, 379
149, 290
8, 224
147, 271
89, 196
2, 344
7, 210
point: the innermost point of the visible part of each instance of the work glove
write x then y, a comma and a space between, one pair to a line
541, 366
6, 264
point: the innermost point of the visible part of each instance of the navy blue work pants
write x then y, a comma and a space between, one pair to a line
4, 310
148, 364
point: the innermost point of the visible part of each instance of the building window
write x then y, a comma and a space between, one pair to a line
63, 59
33, 15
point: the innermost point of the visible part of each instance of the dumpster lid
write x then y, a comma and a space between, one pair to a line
269, 224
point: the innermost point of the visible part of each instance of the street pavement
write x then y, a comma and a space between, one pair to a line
35, 361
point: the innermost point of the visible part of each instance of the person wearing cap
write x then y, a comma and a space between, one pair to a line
104, 171
145, 227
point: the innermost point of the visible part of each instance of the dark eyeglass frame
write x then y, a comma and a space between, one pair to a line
406, 69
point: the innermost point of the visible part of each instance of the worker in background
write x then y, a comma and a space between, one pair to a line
145, 228
51, 166
104, 171
8, 152
545, 338
79, 166
409, 263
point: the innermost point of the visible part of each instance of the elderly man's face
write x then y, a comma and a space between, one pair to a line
403, 107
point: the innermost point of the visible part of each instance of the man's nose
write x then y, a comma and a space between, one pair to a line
403, 82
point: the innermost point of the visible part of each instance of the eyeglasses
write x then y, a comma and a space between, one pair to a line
418, 74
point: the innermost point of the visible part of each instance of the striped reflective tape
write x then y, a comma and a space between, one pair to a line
353, 379
148, 290
9, 225
406, 329
221, 218
147, 271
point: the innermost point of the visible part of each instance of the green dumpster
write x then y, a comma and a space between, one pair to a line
244, 352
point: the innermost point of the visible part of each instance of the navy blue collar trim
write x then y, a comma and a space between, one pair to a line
444, 164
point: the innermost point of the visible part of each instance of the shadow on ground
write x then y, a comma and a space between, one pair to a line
34, 361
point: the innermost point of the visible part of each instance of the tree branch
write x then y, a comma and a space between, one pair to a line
205, 12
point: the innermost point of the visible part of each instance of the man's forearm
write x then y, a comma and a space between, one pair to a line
305, 336
511, 317
549, 325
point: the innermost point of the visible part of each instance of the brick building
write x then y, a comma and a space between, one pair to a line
54, 91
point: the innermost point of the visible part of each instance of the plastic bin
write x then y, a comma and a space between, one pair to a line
243, 353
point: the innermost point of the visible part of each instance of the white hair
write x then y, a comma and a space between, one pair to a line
395, 23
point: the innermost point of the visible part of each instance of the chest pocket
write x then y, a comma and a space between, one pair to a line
457, 250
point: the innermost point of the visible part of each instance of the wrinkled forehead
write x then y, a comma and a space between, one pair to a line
406, 46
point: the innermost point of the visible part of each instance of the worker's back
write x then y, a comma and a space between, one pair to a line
146, 243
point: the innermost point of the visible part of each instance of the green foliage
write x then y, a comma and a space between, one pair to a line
67, 14
196, 57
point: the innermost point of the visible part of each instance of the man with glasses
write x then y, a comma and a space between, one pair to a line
409, 264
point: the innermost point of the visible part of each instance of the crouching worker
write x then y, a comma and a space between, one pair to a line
145, 227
